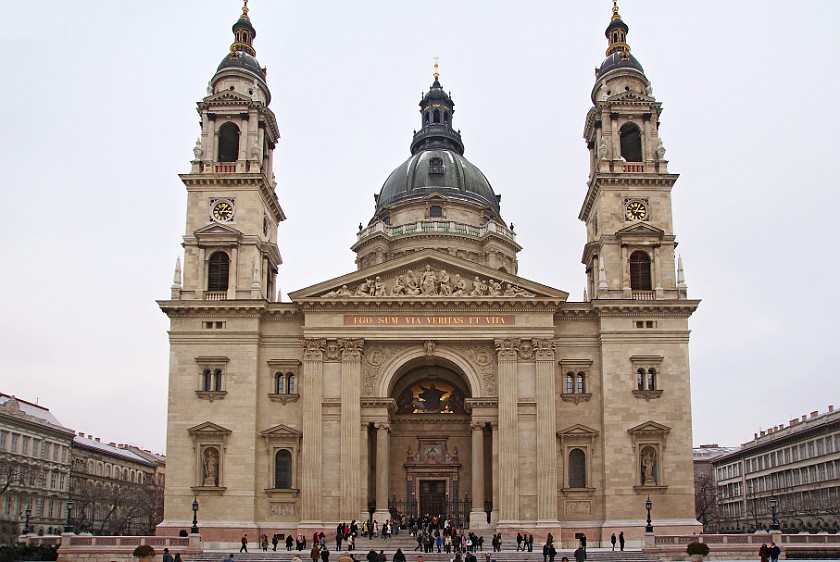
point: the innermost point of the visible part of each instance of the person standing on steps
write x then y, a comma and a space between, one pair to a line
612, 540
244, 547
621, 540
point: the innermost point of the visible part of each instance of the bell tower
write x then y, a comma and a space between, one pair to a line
629, 252
230, 243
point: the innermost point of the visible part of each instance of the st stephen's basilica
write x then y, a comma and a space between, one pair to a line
432, 379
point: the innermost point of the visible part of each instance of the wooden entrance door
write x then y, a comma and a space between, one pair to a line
432, 497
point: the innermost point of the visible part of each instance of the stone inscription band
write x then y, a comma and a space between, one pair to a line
429, 320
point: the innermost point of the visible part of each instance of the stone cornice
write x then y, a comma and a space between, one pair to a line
632, 308
237, 180
607, 181
238, 307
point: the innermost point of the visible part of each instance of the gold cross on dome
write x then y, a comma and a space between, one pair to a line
436, 74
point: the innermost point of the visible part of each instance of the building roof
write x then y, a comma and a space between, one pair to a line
111, 450
710, 452
28, 408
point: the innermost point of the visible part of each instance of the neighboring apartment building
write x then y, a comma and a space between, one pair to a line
34, 469
705, 490
116, 489
797, 464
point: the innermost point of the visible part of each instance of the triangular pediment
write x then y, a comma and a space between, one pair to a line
281, 431
577, 430
227, 96
649, 426
208, 429
410, 278
631, 96
640, 229
217, 230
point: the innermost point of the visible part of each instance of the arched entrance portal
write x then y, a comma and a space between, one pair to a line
431, 469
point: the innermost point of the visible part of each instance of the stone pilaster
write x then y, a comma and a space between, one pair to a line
351, 384
364, 494
478, 517
312, 390
494, 442
546, 434
507, 353
383, 447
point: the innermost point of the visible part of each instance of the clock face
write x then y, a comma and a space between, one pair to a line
222, 211
636, 211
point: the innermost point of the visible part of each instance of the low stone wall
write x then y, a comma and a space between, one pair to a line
740, 547
88, 548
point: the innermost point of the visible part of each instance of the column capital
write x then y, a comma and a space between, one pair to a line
507, 350
382, 425
313, 349
544, 349
351, 349
477, 425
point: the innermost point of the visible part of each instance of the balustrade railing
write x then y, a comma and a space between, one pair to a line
643, 295
215, 295
430, 227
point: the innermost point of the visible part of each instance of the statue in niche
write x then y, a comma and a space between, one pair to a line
428, 281
211, 467
411, 287
648, 466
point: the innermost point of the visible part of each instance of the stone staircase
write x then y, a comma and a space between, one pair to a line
407, 545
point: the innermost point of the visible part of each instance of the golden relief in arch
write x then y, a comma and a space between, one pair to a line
431, 397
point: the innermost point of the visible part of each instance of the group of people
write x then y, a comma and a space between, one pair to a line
769, 553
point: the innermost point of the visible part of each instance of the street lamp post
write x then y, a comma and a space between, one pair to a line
648, 505
68, 528
128, 525
194, 529
774, 523
737, 523
28, 512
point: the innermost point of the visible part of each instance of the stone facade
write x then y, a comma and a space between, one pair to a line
433, 378
34, 469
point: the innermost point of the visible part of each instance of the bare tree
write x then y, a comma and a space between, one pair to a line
706, 502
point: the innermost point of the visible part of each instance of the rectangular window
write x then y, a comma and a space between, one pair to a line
53, 480
820, 447
61, 483
64, 454
44, 450
56, 452
36, 447
24, 450
3, 440
810, 449
794, 454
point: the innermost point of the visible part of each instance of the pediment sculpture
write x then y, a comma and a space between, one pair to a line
430, 282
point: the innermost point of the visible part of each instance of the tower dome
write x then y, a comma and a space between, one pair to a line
437, 199
241, 61
618, 51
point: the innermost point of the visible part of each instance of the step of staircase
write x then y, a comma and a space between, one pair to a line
593, 555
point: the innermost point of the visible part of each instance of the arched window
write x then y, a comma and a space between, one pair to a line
279, 383
570, 383
640, 379
207, 380
640, 271
577, 469
651, 379
107, 471
631, 143
426, 118
436, 116
228, 143
290, 380
217, 380
218, 269
581, 383
283, 469
446, 117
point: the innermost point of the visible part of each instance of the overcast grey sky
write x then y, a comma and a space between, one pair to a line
99, 118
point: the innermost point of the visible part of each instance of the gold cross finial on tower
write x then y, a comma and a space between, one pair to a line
436, 74
615, 15
245, 10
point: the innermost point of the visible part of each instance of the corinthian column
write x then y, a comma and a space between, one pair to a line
478, 517
382, 454
546, 435
350, 465
312, 388
508, 432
